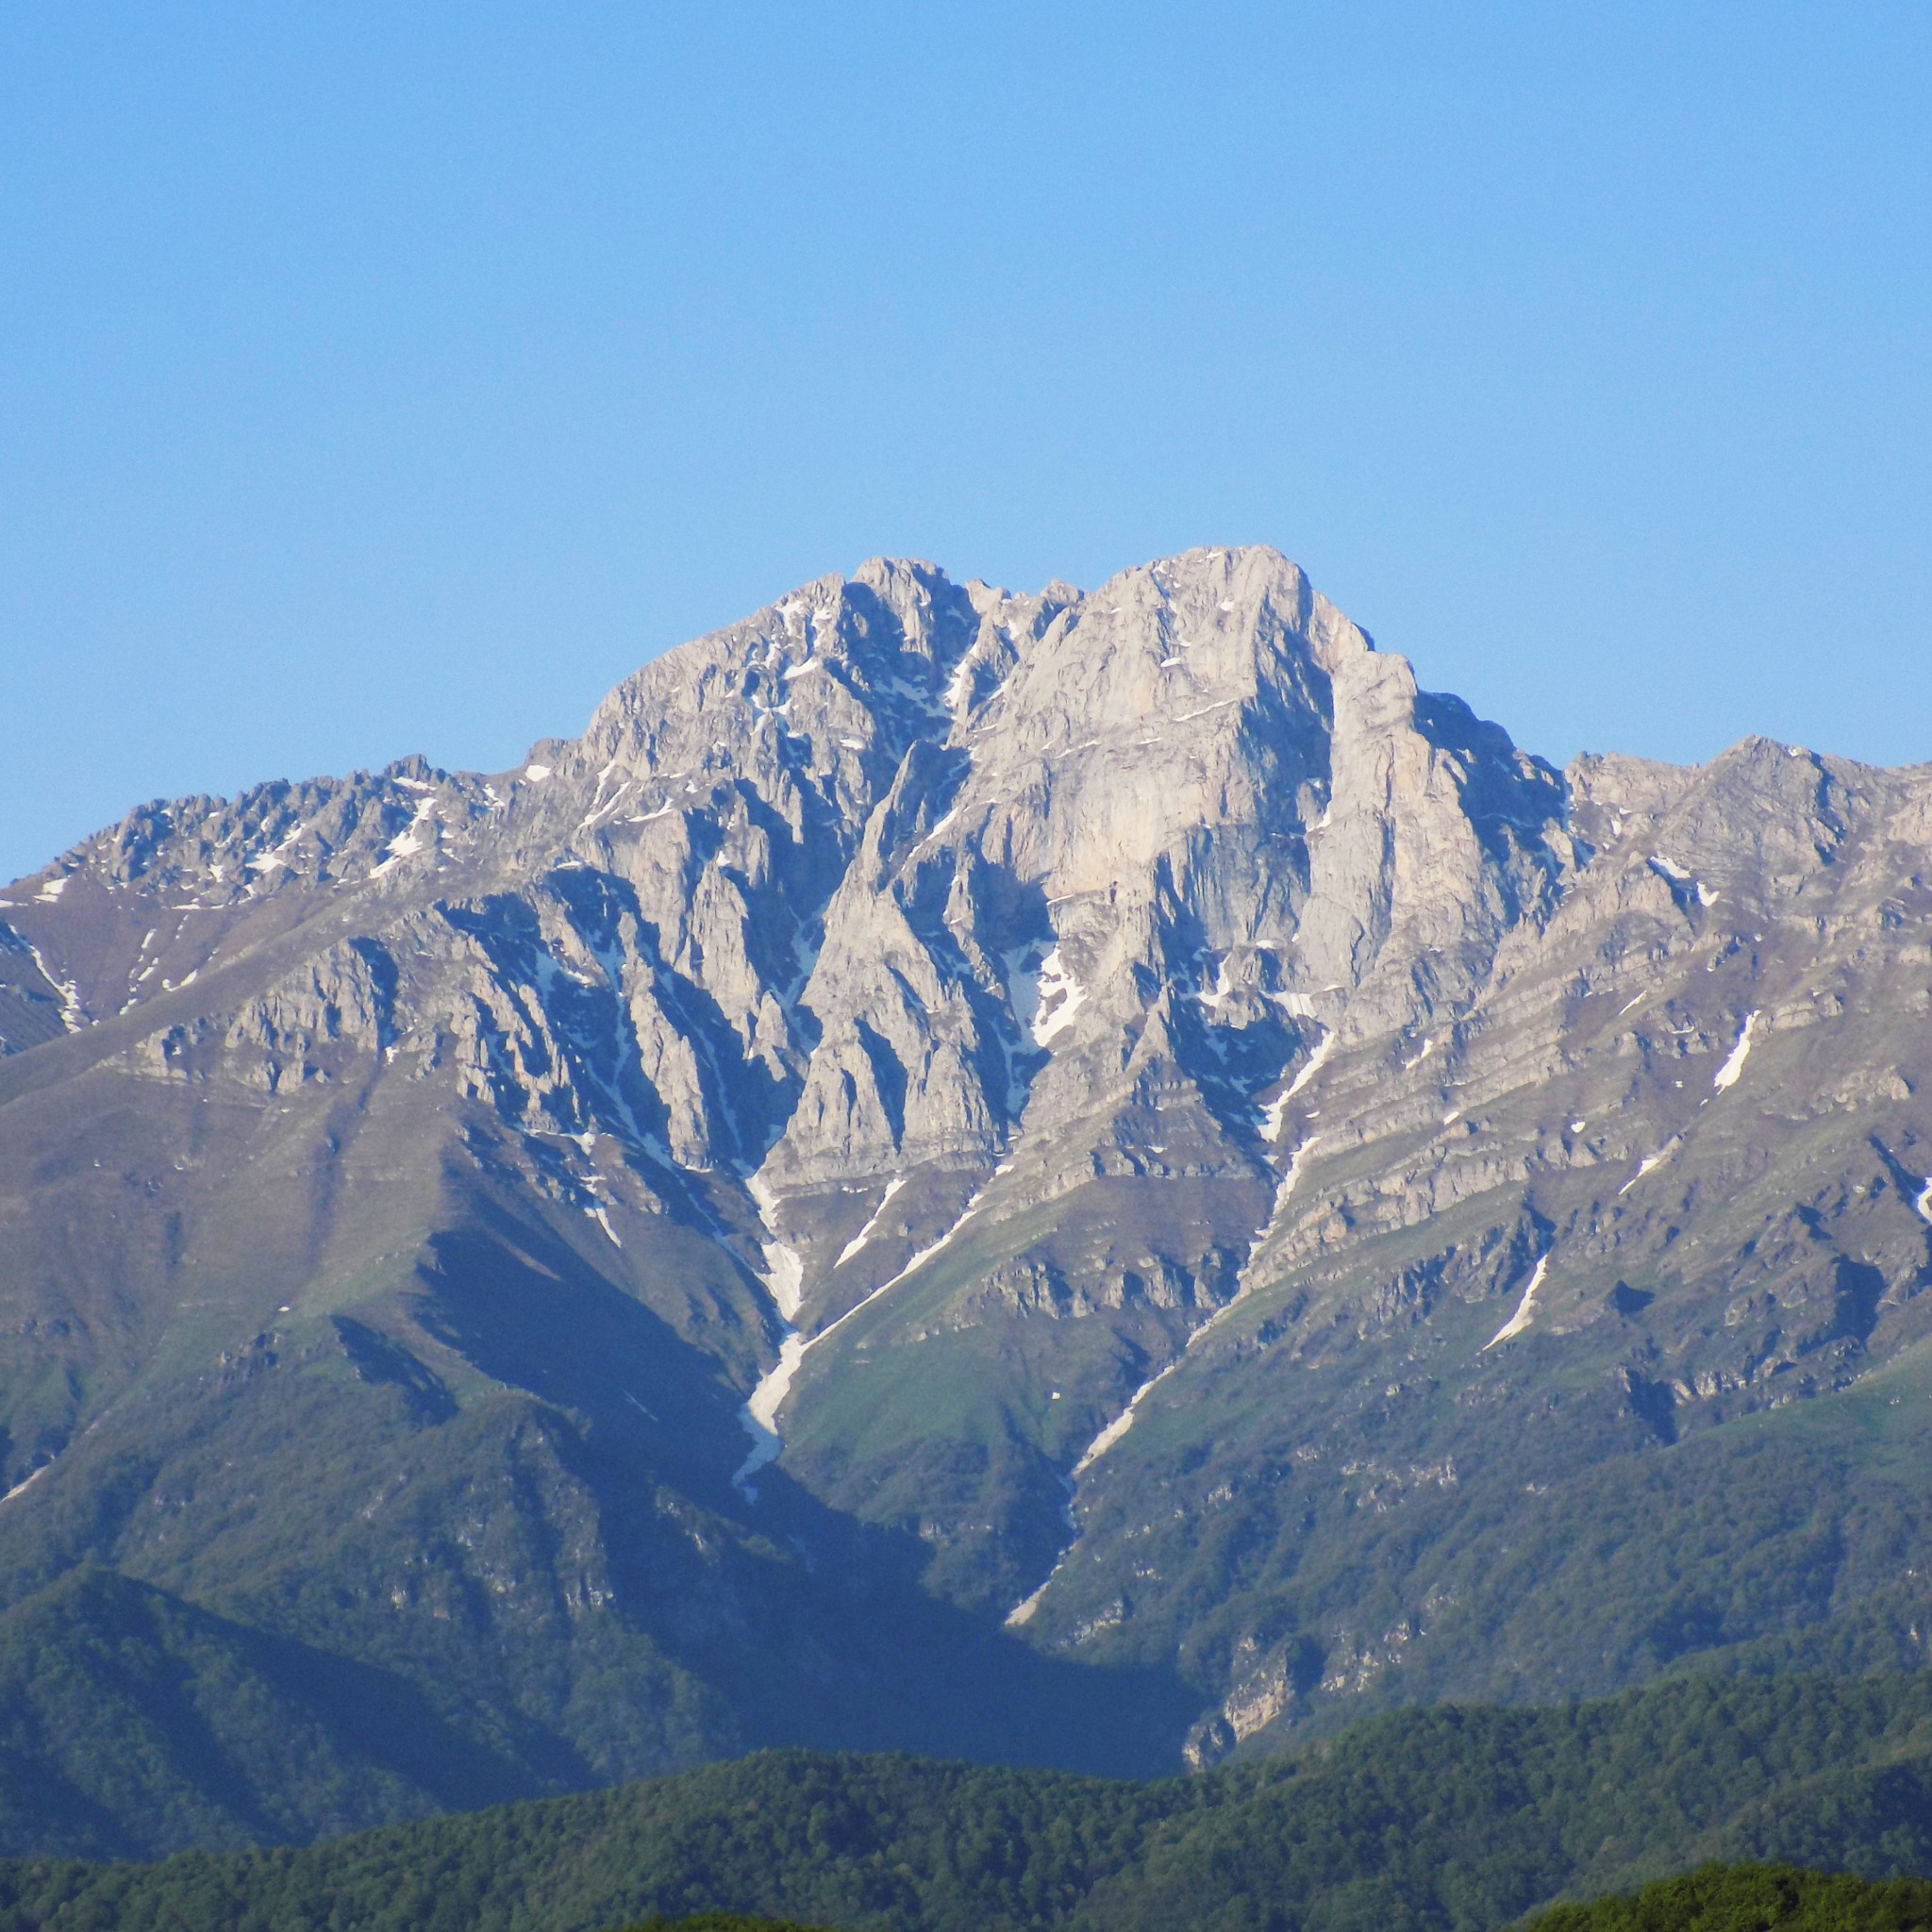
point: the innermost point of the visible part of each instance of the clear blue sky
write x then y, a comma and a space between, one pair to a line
376, 379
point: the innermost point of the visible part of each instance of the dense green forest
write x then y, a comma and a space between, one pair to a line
1451, 1818
721, 1921
1753, 1898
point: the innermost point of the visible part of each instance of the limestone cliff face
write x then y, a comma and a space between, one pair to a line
993, 1061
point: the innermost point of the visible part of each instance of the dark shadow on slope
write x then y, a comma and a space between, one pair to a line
814, 1626
154, 1723
1512, 798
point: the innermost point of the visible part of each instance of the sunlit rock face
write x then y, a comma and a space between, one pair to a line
1104, 1133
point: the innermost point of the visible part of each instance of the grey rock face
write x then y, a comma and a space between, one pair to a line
1119, 1092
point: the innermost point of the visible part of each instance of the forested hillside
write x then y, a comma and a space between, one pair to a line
1461, 1819
1753, 1898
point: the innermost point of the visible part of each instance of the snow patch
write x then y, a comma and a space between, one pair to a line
1119, 1426
758, 1416
410, 839
957, 684
1223, 989
785, 1283
864, 1234
1023, 1612
27, 1481
1727, 1074
536, 773
1045, 995
784, 1268
1649, 1164
1670, 869
1271, 1115
919, 1260
1316, 1060
50, 890
72, 1015
1124, 1420
937, 828
1525, 1308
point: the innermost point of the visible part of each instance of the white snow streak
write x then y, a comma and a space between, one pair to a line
784, 1278
408, 841
783, 1270
1525, 1308
937, 828
758, 1415
784, 1282
1648, 1164
1727, 1074
919, 1260
1271, 1118
1022, 1611
71, 1015
1924, 1203
1124, 1420
26, 1482
955, 685
864, 1234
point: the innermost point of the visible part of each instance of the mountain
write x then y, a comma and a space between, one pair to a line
1458, 1819
1090, 1179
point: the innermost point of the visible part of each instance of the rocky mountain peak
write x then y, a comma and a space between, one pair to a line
1031, 1077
